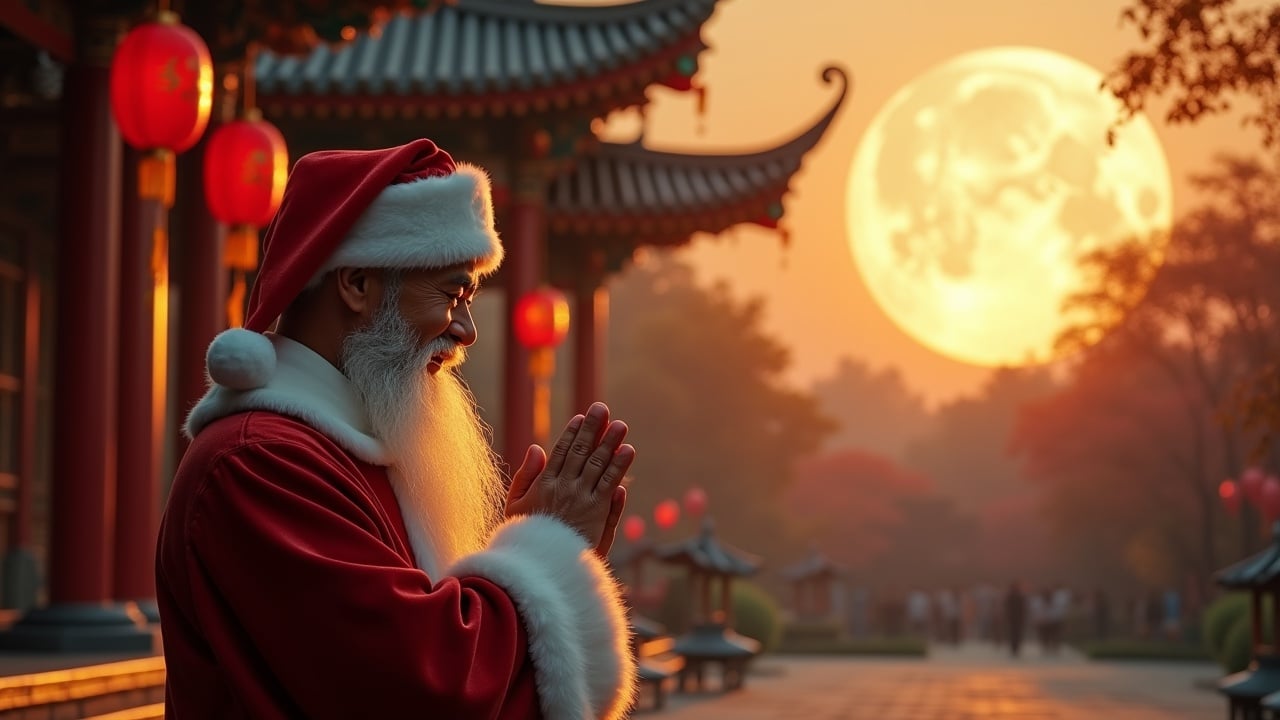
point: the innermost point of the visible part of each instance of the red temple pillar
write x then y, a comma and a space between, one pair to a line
81, 617
590, 320
83, 495
523, 270
144, 284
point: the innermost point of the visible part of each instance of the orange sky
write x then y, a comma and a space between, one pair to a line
762, 73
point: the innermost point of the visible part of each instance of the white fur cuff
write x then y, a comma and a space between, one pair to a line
573, 611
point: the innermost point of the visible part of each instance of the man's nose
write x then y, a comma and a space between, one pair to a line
463, 327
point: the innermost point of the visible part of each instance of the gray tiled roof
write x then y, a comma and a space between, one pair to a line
480, 46
812, 566
1261, 571
707, 553
630, 179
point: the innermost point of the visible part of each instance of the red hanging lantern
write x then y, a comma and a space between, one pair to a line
246, 164
1229, 494
1270, 498
541, 319
666, 514
695, 502
161, 95
1251, 484
633, 528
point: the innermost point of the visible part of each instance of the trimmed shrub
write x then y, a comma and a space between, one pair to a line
1236, 648
1142, 650
1219, 618
755, 615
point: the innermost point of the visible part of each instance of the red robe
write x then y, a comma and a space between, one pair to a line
288, 586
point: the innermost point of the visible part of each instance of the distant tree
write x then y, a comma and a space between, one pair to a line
875, 409
934, 546
963, 448
1204, 55
847, 502
1152, 416
700, 382
1208, 318
1119, 463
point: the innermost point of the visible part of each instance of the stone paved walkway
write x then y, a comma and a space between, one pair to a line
968, 684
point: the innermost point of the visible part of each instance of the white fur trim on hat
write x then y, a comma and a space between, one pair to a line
428, 223
241, 359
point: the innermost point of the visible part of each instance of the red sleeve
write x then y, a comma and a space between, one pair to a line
307, 607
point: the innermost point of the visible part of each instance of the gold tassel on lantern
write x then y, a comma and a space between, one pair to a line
240, 255
241, 250
157, 173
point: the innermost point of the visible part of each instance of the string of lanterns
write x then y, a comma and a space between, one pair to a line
667, 513
1257, 487
161, 98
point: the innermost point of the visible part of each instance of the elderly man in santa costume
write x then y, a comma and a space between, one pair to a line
339, 541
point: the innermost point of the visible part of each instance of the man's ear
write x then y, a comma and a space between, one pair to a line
359, 289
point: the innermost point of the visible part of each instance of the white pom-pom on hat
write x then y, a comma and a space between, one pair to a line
240, 359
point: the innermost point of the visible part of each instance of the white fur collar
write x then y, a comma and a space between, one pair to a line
307, 387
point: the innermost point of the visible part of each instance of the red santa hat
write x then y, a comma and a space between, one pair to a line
410, 206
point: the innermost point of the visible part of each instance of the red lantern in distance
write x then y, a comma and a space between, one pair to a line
633, 528
161, 95
1229, 494
1251, 484
1270, 500
695, 502
541, 319
666, 514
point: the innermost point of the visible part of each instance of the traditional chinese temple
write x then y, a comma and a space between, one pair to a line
104, 321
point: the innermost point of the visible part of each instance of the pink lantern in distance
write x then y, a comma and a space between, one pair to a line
695, 502
1251, 484
1229, 494
666, 514
633, 528
1270, 501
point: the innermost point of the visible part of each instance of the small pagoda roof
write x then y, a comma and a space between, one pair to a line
705, 552
494, 55
815, 565
630, 189
1258, 572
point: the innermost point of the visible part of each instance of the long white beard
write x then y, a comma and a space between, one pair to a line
445, 475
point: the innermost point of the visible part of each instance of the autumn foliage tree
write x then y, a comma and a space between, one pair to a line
848, 502
1204, 56
1132, 450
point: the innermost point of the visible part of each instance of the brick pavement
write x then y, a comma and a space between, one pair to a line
970, 684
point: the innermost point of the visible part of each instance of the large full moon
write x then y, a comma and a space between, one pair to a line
978, 186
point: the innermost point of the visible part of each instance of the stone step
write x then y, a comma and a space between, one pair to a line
87, 691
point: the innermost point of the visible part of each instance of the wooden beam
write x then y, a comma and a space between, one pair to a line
34, 29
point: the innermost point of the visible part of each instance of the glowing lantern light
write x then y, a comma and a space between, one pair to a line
1229, 493
666, 514
695, 502
633, 528
161, 94
542, 319
246, 164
